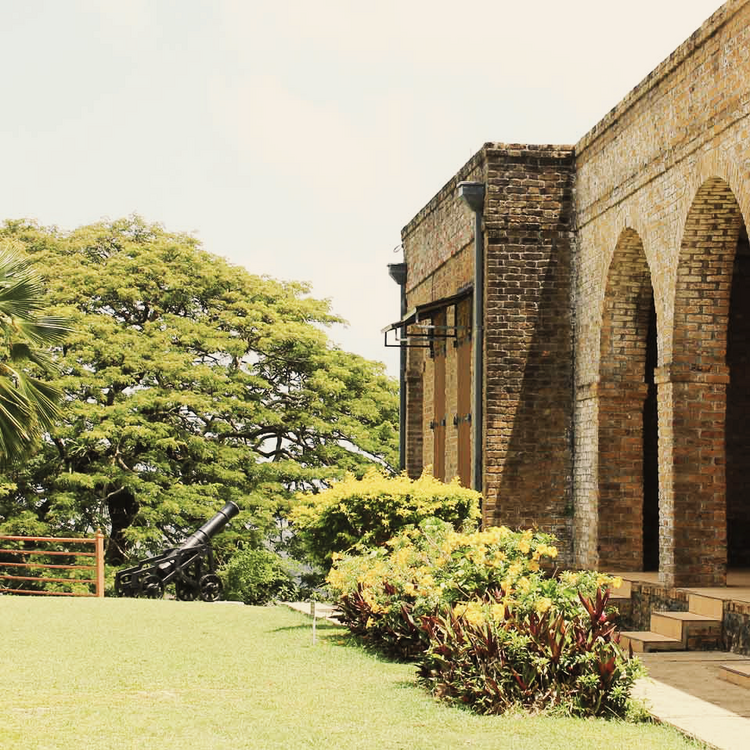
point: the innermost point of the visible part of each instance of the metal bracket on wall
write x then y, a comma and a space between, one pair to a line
416, 329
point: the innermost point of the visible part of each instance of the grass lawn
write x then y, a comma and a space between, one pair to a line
167, 675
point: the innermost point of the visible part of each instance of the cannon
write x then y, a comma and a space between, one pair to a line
190, 566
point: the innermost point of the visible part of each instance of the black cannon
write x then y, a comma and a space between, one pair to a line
190, 566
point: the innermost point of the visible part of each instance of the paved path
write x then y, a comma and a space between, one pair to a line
684, 689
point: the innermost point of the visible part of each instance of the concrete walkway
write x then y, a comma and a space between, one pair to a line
322, 611
683, 689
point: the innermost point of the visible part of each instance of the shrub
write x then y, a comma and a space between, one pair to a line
367, 512
383, 593
492, 623
257, 576
491, 657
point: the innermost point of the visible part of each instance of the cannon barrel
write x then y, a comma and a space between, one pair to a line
212, 527
190, 566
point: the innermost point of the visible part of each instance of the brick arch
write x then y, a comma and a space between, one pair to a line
627, 312
706, 168
693, 393
704, 276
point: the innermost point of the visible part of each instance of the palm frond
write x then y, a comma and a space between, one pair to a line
42, 399
20, 353
28, 406
18, 429
20, 298
44, 331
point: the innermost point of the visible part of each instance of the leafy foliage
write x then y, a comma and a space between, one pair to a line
492, 624
189, 382
367, 512
28, 405
384, 593
492, 658
257, 576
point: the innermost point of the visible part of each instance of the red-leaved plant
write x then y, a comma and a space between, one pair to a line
492, 658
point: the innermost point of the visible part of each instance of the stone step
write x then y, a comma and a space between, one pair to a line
623, 591
643, 641
737, 674
706, 605
689, 627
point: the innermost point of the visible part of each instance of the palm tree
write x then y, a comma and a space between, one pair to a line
28, 405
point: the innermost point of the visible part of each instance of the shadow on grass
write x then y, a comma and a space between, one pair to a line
322, 626
347, 639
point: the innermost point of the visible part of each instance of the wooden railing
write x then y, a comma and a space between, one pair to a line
36, 547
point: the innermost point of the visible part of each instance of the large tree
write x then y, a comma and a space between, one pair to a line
188, 382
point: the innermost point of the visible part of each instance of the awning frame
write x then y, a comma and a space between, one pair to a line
426, 333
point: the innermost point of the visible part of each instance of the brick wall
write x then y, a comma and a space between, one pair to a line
617, 321
438, 251
528, 338
528, 332
669, 165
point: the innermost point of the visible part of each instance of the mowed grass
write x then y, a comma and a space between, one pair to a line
168, 675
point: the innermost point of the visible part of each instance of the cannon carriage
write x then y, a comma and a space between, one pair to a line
190, 567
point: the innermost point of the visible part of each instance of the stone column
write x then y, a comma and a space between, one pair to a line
620, 543
692, 485
585, 470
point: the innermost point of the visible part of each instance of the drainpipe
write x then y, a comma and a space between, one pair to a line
397, 271
473, 194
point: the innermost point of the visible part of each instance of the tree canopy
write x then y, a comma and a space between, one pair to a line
188, 382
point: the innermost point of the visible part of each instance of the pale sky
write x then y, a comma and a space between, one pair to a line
297, 137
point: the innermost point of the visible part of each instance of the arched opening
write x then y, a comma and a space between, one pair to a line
737, 439
706, 417
628, 462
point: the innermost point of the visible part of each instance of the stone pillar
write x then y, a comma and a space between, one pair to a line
620, 476
692, 497
585, 473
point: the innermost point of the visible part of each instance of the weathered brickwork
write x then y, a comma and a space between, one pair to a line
617, 322
528, 341
438, 250
528, 333
737, 627
664, 177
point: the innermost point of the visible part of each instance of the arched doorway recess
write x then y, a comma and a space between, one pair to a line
706, 417
628, 464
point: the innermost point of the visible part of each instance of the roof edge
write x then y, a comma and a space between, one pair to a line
708, 28
478, 160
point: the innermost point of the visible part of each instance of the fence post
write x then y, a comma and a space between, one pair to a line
99, 563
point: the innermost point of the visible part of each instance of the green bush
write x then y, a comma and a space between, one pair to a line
258, 576
383, 593
483, 610
491, 658
365, 513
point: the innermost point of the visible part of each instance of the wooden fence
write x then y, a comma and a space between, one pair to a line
23, 561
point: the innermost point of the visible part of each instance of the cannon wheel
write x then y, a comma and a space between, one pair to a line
152, 587
124, 585
211, 587
185, 592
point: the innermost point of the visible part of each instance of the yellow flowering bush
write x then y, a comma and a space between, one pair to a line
433, 568
489, 619
365, 513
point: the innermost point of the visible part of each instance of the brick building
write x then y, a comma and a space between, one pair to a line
599, 385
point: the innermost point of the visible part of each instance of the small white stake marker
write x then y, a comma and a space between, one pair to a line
314, 618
